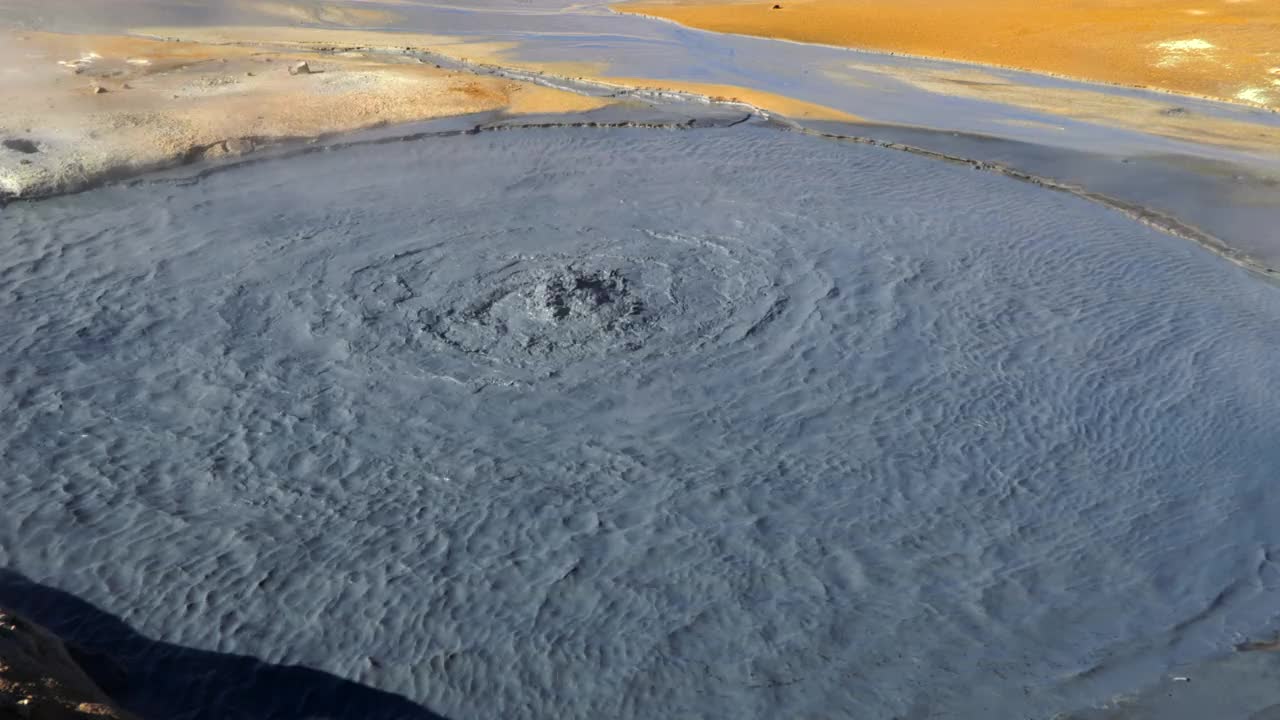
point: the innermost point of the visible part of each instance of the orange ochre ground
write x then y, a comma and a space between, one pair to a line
1224, 49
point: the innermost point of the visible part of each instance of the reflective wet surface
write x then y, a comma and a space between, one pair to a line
591, 422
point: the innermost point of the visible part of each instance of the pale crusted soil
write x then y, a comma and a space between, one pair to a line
75, 109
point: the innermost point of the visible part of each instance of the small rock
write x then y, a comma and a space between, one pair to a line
248, 74
777, 7
98, 90
300, 68
214, 152
239, 146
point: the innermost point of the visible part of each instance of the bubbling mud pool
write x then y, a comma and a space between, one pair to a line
632, 423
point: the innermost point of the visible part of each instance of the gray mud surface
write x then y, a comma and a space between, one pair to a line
1226, 197
584, 422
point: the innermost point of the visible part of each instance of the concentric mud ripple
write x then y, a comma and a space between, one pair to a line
533, 301
634, 424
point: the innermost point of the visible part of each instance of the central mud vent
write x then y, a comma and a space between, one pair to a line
602, 296
488, 306
554, 313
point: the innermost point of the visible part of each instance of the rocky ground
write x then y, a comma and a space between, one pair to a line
40, 679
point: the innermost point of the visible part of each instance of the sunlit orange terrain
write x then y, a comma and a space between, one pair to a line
1228, 49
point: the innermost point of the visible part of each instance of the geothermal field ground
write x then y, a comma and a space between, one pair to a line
548, 360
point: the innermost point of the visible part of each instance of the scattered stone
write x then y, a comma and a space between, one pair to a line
215, 151
777, 7
99, 90
300, 68
239, 146
22, 145
234, 147
248, 74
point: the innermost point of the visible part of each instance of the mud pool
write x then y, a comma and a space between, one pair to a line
633, 423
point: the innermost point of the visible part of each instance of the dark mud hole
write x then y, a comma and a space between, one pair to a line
26, 147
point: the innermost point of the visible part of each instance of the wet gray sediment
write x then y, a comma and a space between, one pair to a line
1223, 199
677, 408
631, 422
1227, 208
1219, 206
1239, 685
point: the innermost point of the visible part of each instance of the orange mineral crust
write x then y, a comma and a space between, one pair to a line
1225, 49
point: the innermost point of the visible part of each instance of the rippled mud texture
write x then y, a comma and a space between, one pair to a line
1223, 49
729, 422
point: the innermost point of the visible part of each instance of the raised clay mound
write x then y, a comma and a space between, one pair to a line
40, 680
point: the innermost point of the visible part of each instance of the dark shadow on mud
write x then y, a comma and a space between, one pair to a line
158, 680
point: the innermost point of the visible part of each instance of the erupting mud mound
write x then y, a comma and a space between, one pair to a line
544, 315
537, 300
